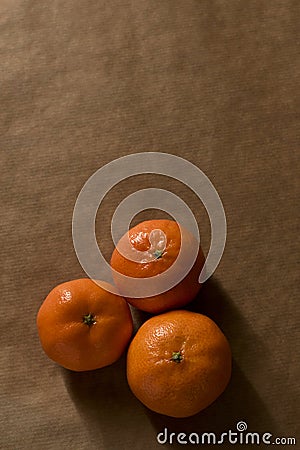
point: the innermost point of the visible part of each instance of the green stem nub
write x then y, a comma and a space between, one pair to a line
89, 319
158, 254
177, 357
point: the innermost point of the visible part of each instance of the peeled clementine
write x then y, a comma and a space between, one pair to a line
178, 363
155, 246
82, 326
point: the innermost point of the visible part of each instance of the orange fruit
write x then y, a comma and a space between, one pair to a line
154, 261
82, 326
178, 363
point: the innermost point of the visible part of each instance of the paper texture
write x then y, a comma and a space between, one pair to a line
83, 83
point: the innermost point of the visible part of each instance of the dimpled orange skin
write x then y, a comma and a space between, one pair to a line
82, 326
178, 363
179, 295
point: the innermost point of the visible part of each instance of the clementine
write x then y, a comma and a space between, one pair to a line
82, 326
155, 246
178, 363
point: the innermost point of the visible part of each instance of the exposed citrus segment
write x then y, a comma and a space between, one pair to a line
158, 249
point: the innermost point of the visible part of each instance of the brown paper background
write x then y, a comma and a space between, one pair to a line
83, 83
